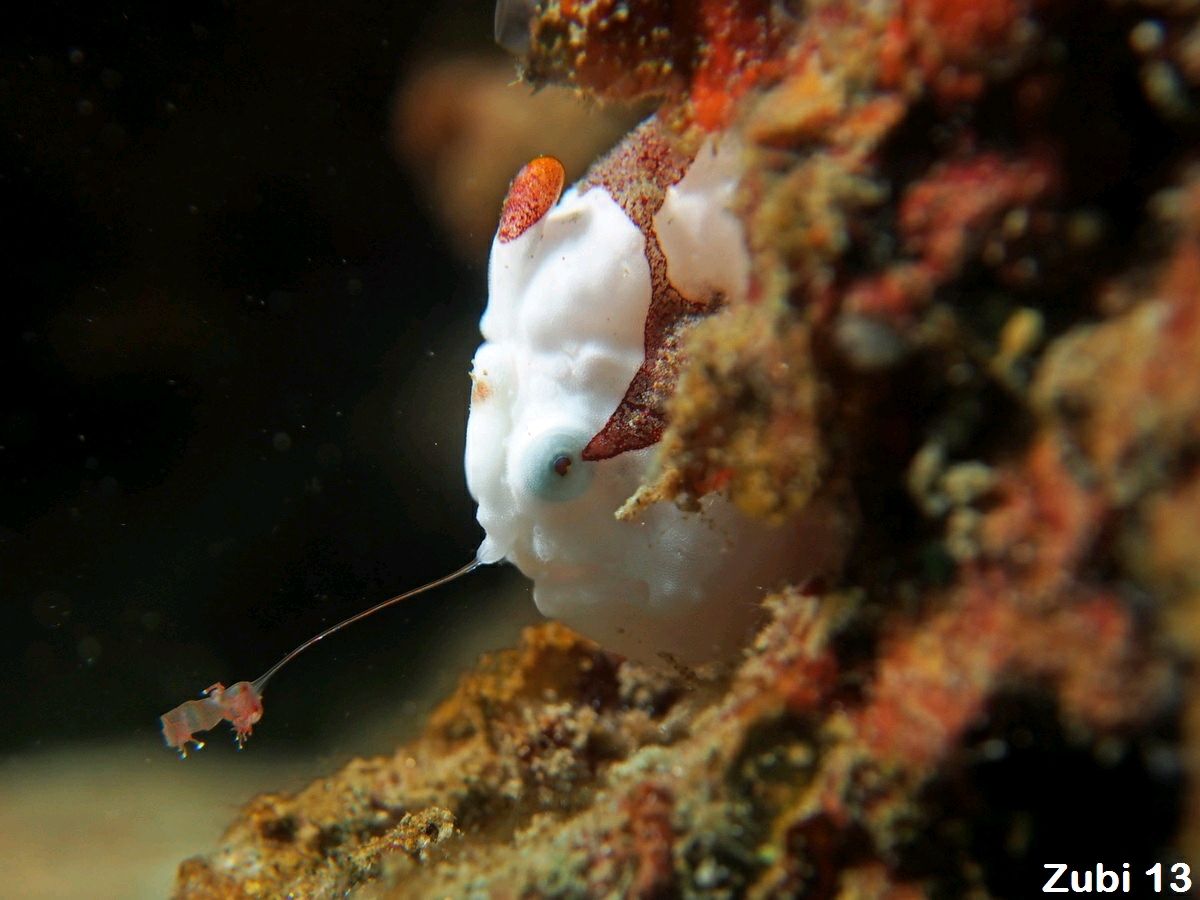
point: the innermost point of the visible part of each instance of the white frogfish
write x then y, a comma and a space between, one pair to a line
589, 295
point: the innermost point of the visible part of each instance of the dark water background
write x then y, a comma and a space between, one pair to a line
234, 355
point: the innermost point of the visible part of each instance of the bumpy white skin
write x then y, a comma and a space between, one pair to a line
563, 339
699, 233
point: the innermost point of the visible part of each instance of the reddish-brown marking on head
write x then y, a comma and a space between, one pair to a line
637, 174
480, 389
536, 188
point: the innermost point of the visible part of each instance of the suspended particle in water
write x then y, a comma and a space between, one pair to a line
89, 649
52, 609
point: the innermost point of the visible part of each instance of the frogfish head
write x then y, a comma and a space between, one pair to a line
570, 289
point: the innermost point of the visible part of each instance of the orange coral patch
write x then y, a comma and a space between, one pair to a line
942, 215
943, 219
735, 41
967, 28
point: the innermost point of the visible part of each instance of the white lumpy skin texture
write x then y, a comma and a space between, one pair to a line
563, 338
698, 230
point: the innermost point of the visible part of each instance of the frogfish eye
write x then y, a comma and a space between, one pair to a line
552, 467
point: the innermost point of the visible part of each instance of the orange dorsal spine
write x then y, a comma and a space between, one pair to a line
531, 195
